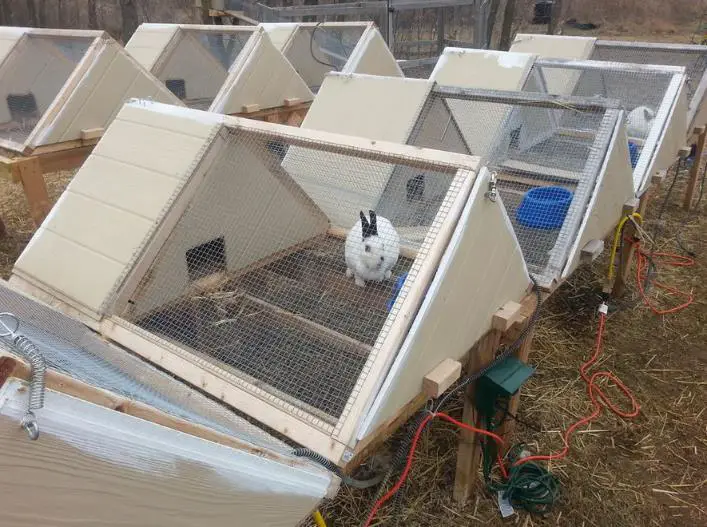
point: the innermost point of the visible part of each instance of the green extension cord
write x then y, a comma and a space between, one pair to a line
529, 486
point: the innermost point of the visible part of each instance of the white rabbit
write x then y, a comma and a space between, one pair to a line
371, 249
639, 122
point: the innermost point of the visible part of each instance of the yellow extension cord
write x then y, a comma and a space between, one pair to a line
318, 519
617, 237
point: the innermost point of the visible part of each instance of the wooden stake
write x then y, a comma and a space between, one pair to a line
469, 454
627, 249
3, 229
30, 171
694, 171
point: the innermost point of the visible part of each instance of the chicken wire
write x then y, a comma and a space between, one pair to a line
531, 142
70, 348
36, 70
692, 57
315, 50
635, 86
253, 278
418, 68
197, 65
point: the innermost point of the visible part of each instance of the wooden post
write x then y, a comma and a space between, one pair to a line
3, 229
469, 454
627, 250
30, 171
701, 132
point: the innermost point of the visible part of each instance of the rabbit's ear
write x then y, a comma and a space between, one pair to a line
365, 226
374, 226
647, 114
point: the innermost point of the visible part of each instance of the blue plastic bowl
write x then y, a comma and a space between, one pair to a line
633, 153
544, 207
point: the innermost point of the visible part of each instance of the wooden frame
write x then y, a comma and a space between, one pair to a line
330, 441
291, 113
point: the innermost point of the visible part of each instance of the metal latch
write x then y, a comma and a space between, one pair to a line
492, 192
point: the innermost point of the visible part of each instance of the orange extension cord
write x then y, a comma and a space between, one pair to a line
597, 396
673, 260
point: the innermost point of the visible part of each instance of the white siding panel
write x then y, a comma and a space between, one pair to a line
133, 189
554, 46
72, 270
265, 77
180, 120
375, 57
492, 70
380, 108
148, 42
166, 152
103, 228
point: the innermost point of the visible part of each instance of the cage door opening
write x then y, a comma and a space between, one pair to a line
206, 259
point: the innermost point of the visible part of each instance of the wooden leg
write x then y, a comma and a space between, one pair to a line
627, 249
694, 171
469, 454
3, 230
30, 171
508, 425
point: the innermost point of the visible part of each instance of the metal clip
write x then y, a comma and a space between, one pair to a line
492, 193
9, 326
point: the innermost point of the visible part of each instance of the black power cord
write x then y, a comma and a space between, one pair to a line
316, 28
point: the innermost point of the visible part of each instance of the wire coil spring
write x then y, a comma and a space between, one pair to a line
38, 367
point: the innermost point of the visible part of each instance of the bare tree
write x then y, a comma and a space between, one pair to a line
5, 13
493, 12
60, 14
42, 13
554, 17
92, 15
32, 12
507, 28
205, 11
128, 10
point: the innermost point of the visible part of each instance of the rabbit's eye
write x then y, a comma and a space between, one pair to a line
367, 248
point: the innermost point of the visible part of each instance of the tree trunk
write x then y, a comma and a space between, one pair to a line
507, 28
92, 15
128, 10
32, 12
5, 13
493, 12
205, 9
554, 17
60, 14
42, 13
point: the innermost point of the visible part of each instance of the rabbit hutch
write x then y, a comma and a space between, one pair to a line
692, 57
59, 89
315, 49
221, 254
224, 69
482, 68
119, 442
570, 151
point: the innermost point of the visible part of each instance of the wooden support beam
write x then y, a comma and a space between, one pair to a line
32, 179
695, 170
438, 381
3, 229
618, 288
91, 134
505, 317
591, 251
469, 454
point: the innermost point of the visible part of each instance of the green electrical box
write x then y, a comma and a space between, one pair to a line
503, 380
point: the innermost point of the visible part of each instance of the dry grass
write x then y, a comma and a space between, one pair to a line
648, 471
15, 214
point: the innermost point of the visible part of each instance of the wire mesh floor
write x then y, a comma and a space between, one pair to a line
295, 326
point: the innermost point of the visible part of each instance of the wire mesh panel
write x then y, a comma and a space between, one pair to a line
72, 349
35, 72
547, 154
647, 94
286, 266
315, 50
197, 65
692, 57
